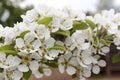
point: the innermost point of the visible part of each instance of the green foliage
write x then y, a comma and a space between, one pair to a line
58, 47
45, 20
79, 25
23, 34
96, 41
14, 12
74, 75
116, 58
91, 24
8, 49
26, 75
63, 32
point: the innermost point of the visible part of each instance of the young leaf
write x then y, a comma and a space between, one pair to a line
105, 42
96, 41
109, 37
8, 49
79, 25
63, 33
26, 75
58, 47
74, 75
23, 34
45, 20
52, 64
91, 24
119, 27
116, 58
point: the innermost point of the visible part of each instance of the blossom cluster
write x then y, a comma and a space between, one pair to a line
50, 38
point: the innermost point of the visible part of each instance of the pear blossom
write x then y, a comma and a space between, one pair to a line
28, 44
65, 63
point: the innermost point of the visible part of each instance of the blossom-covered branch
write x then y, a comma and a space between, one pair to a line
64, 39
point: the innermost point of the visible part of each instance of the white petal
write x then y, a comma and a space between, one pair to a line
68, 56
105, 49
53, 53
35, 55
38, 74
87, 73
71, 70
29, 37
117, 41
96, 69
82, 64
16, 61
85, 46
34, 65
47, 72
23, 68
87, 60
73, 61
102, 63
17, 75
48, 57
19, 42
61, 68
10, 59
2, 56
50, 42
36, 44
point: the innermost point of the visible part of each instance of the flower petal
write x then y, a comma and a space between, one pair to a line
102, 63
17, 75
34, 65
61, 68
23, 68
71, 70
47, 71
29, 37
19, 42
96, 69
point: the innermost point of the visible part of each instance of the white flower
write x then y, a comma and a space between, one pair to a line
66, 24
28, 44
84, 58
30, 16
42, 32
65, 64
35, 67
79, 40
85, 72
9, 63
96, 67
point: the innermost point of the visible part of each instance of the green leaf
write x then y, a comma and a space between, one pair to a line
8, 49
23, 34
1, 70
26, 75
63, 32
119, 27
45, 20
116, 58
105, 42
74, 75
96, 41
52, 64
79, 25
91, 24
58, 47
109, 37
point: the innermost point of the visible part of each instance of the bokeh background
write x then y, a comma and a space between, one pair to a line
11, 10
